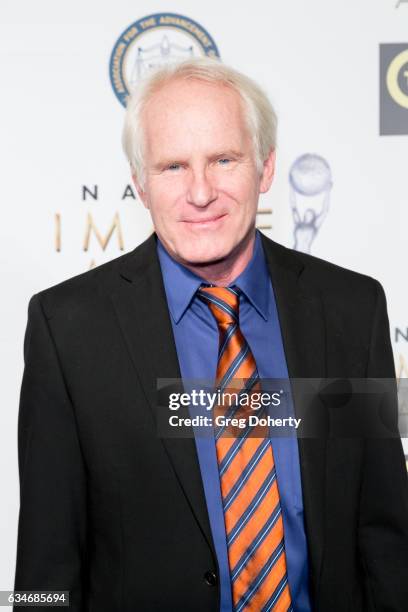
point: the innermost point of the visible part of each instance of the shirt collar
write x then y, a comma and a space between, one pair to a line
254, 280
181, 284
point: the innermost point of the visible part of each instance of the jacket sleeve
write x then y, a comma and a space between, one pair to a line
51, 546
383, 528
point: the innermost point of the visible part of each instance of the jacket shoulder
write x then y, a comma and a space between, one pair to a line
97, 283
323, 275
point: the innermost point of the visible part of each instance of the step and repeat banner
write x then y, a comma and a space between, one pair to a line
337, 74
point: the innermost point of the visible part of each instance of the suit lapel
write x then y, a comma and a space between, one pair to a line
301, 318
141, 307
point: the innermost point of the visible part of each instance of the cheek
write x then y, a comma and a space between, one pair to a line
243, 194
164, 196
242, 184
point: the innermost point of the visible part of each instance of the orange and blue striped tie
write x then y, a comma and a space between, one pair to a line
250, 495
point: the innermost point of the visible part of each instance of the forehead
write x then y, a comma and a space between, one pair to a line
191, 114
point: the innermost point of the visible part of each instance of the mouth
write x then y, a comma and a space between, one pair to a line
209, 222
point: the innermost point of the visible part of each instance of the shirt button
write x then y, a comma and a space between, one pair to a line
210, 578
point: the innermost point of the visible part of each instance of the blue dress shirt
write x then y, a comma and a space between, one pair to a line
196, 337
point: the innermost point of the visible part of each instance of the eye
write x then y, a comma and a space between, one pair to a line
173, 167
224, 161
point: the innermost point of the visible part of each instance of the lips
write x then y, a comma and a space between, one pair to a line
207, 220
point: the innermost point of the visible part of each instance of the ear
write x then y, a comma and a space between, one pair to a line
140, 191
268, 172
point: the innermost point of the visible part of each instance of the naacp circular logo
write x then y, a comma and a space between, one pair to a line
153, 41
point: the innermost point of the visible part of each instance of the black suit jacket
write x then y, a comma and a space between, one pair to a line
118, 516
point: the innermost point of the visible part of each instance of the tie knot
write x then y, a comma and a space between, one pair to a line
222, 301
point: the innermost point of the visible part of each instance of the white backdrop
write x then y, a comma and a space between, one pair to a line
60, 130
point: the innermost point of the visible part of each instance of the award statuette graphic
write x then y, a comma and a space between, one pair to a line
310, 183
152, 41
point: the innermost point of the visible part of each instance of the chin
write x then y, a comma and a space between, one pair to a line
202, 255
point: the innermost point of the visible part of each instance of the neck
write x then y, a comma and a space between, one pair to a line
224, 271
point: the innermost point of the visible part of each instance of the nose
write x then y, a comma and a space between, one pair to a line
200, 191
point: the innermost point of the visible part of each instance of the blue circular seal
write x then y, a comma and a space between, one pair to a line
152, 41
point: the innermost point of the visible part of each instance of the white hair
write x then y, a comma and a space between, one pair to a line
259, 114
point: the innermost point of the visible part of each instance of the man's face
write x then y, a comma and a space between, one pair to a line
201, 182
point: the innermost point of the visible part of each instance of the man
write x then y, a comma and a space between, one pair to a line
127, 520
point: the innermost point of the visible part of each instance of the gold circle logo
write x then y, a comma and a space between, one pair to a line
393, 72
